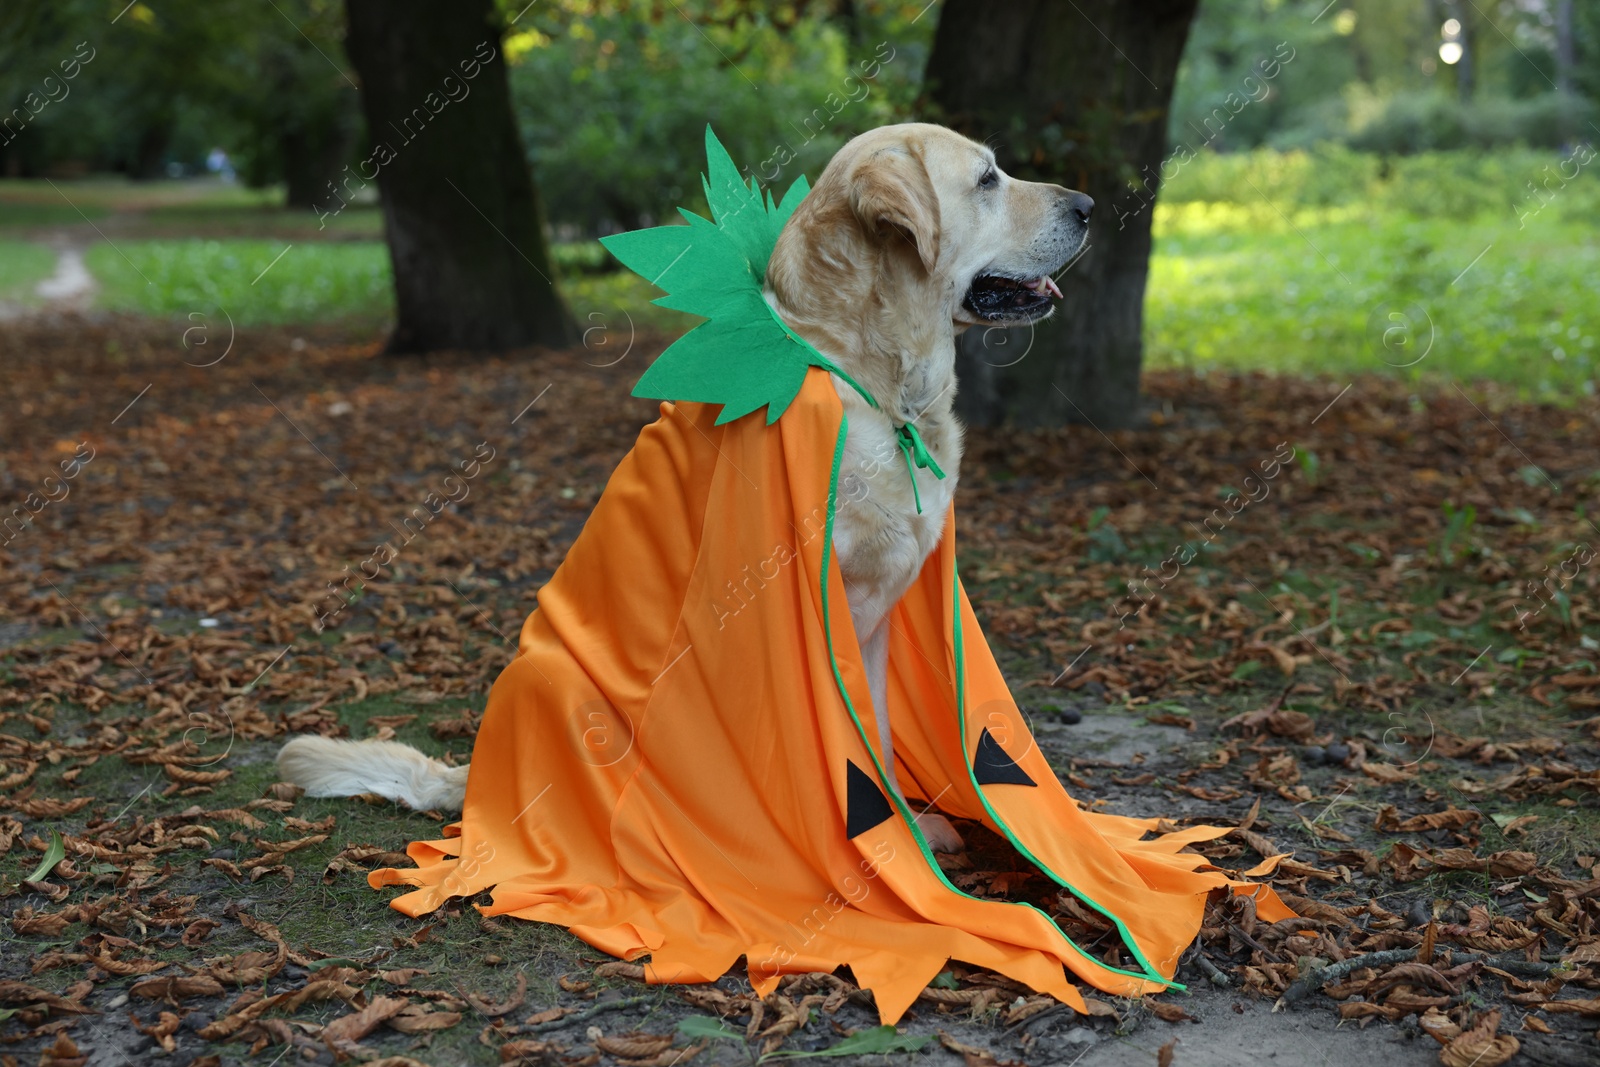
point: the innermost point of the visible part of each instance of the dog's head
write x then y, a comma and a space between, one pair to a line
927, 212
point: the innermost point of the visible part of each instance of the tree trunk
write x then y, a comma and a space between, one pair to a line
1565, 53
1467, 65
150, 152
313, 152
463, 220
1076, 94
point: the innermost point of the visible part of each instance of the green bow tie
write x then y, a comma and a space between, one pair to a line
916, 452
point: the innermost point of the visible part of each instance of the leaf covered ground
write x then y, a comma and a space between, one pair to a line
1360, 625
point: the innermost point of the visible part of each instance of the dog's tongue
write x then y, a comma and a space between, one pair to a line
1045, 284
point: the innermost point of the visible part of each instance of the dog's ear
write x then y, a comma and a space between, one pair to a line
892, 194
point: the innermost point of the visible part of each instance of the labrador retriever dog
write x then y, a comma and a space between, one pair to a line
911, 235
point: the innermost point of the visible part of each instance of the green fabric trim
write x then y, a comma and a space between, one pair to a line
1128, 942
912, 445
915, 452
898, 801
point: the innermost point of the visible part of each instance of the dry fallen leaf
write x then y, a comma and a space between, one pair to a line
419, 1019
20, 993
63, 1053
174, 989
1439, 1026
972, 1055
1480, 1046
352, 1028
634, 1046
161, 1031
495, 1009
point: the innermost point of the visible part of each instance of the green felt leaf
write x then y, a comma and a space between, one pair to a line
712, 276
650, 253
743, 357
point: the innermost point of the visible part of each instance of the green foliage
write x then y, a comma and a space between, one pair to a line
1227, 43
1430, 120
1310, 465
1320, 177
23, 265
1433, 184
605, 91
1457, 528
284, 95
168, 81
1367, 73
54, 853
1105, 542
1300, 262
582, 257
876, 1041
1534, 475
696, 1027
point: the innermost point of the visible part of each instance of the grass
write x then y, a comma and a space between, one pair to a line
23, 265
29, 204
1346, 292
211, 219
61, 202
252, 280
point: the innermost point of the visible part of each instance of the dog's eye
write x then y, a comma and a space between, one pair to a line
990, 179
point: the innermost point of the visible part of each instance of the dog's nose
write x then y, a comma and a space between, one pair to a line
1080, 205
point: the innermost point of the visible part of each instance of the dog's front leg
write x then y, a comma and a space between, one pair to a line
941, 836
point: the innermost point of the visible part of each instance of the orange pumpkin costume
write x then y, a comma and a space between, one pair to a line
675, 764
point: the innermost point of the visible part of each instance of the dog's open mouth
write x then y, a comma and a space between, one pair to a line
998, 297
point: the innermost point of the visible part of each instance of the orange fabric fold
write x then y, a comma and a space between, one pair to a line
669, 766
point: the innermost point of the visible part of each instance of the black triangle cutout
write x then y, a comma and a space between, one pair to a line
866, 804
993, 767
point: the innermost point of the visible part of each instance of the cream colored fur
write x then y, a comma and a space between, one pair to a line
874, 270
325, 767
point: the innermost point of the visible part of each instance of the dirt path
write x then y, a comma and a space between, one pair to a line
71, 287
1231, 1030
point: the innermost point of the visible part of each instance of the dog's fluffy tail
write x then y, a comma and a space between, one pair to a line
324, 767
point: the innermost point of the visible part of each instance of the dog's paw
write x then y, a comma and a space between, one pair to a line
939, 834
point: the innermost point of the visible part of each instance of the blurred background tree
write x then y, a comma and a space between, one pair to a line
1077, 94
784, 84
1423, 104
611, 95
297, 111
472, 266
168, 84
